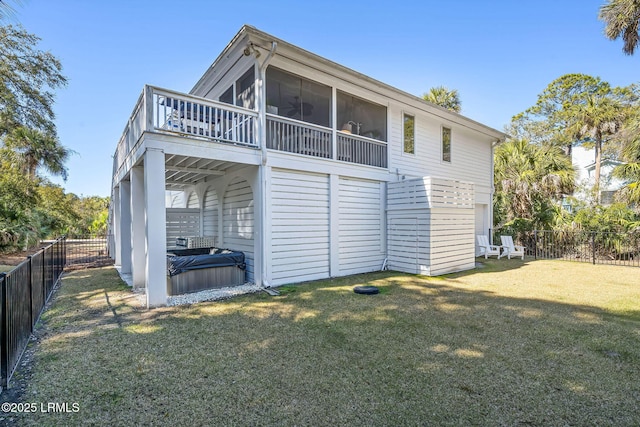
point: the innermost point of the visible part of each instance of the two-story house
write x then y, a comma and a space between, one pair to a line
309, 168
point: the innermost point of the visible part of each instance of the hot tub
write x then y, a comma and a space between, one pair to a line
193, 270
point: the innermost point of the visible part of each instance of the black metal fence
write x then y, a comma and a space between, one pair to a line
23, 293
614, 248
87, 252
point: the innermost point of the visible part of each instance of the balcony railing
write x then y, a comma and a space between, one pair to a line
176, 112
362, 150
294, 136
165, 111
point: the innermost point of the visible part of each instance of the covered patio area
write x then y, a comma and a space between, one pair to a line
167, 199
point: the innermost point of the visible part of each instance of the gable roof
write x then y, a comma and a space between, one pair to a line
259, 39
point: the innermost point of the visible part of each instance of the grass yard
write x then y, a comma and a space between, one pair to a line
6, 268
538, 343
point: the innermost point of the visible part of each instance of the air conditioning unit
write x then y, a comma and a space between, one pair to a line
196, 242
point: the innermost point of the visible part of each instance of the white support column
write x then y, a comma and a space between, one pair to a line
262, 197
155, 227
138, 253
334, 224
334, 123
267, 230
125, 227
221, 193
116, 224
259, 269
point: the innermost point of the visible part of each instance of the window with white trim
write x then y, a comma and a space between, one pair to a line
409, 135
446, 144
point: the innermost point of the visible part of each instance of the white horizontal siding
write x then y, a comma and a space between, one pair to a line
193, 201
182, 222
407, 241
210, 214
238, 217
430, 192
299, 226
452, 240
431, 226
360, 226
470, 151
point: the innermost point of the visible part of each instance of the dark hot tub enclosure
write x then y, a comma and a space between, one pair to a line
193, 270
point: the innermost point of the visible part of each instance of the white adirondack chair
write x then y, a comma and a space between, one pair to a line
510, 248
486, 248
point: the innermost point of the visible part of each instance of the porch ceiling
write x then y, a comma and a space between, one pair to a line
182, 171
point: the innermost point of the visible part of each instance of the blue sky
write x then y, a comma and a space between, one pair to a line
499, 54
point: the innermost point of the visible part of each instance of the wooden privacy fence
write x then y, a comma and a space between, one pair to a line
23, 293
596, 247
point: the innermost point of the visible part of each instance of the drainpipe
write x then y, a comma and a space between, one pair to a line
262, 113
262, 120
493, 187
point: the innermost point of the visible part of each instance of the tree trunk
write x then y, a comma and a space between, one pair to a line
598, 160
568, 149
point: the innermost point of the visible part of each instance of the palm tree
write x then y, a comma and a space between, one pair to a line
447, 98
622, 18
6, 10
596, 120
528, 179
38, 149
630, 171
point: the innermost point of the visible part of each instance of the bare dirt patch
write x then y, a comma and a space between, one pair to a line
16, 258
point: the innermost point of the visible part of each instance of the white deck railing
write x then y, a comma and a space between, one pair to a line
162, 110
166, 111
294, 136
361, 150
299, 137
185, 114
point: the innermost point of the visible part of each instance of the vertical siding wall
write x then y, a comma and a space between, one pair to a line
431, 226
210, 214
299, 226
239, 221
361, 226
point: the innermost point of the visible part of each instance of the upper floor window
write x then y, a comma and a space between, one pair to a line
227, 96
242, 91
360, 117
409, 134
245, 90
292, 96
446, 144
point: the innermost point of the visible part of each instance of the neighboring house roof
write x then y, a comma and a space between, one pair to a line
251, 34
604, 162
583, 160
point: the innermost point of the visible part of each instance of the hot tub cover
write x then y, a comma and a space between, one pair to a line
179, 261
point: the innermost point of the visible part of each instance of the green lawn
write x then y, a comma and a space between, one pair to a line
514, 343
6, 268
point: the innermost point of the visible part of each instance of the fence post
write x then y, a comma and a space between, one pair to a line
593, 246
44, 277
30, 292
4, 355
535, 244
